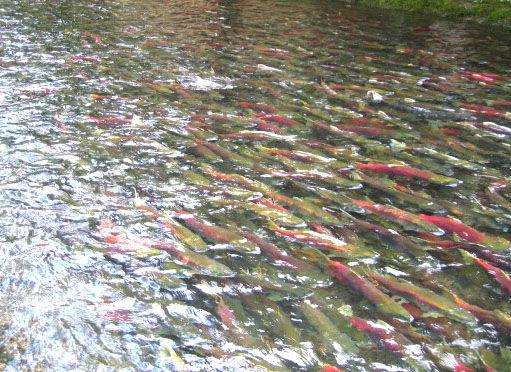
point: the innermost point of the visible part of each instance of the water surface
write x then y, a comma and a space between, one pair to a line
257, 185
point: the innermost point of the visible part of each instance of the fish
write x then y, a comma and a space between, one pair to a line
498, 318
401, 193
457, 162
460, 367
338, 152
330, 368
262, 107
316, 176
501, 102
465, 232
495, 128
313, 238
304, 156
279, 119
485, 111
389, 338
267, 126
83, 58
305, 208
184, 235
339, 343
225, 314
264, 134
408, 172
398, 240
397, 214
357, 283
215, 234
202, 151
439, 242
423, 297
499, 275
109, 120
277, 254
493, 193
309, 209
203, 264
276, 321
484, 77
265, 209
226, 154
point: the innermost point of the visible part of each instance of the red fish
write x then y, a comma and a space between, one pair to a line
217, 234
364, 122
398, 170
112, 239
82, 58
119, 315
433, 239
454, 225
336, 86
319, 228
501, 322
263, 107
366, 131
330, 368
109, 121
262, 135
347, 276
274, 53
499, 275
386, 337
276, 253
422, 29
268, 127
485, 77
279, 119
325, 147
452, 132
319, 240
225, 314
386, 210
501, 102
295, 155
270, 204
437, 325
245, 105
488, 255
460, 367
483, 110
198, 118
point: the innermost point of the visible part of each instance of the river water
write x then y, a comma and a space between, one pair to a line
252, 185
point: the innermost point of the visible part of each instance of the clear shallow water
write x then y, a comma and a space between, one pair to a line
129, 239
